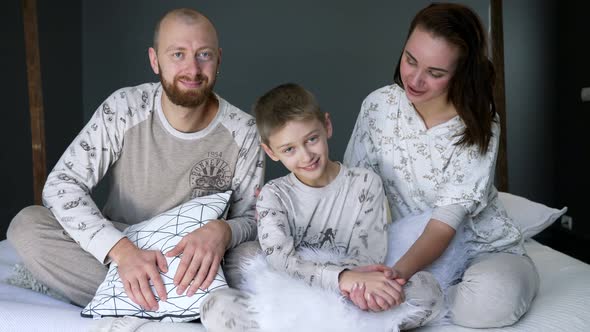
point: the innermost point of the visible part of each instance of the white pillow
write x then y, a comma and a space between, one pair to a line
449, 267
162, 232
529, 216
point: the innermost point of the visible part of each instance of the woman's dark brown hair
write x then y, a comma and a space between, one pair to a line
471, 89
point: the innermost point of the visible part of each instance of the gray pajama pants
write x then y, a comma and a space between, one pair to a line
57, 261
495, 291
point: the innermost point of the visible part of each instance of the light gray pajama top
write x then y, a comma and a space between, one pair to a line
349, 216
423, 168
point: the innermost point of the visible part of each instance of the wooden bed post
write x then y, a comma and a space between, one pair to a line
35, 97
497, 32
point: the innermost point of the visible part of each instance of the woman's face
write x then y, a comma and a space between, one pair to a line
427, 66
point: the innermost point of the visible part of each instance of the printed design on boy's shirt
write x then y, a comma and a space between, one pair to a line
299, 275
324, 240
210, 175
327, 236
364, 236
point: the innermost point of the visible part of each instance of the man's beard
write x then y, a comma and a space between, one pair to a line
190, 98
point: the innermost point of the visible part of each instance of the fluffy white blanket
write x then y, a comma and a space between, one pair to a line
289, 305
286, 304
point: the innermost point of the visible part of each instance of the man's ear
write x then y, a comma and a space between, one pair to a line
269, 152
328, 125
153, 60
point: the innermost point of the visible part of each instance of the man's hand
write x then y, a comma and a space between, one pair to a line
202, 251
136, 268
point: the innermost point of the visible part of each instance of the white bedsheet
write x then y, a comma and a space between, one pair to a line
563, 301
562, 304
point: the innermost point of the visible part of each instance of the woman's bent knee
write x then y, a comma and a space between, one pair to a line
495, 292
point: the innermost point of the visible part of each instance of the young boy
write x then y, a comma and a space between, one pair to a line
321, 205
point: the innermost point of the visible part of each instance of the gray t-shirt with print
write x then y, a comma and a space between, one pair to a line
153, 168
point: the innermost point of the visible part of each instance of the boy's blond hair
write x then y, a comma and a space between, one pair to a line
284, 103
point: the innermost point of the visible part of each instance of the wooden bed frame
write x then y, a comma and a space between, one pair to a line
35, 97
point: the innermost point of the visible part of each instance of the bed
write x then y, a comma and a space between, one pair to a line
562, 303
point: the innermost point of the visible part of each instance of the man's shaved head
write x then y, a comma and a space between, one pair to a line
184, 15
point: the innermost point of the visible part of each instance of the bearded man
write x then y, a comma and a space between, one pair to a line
163, 144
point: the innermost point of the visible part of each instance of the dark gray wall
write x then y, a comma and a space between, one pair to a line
530, 72
15, 134
60, 53
572, 116
339, 50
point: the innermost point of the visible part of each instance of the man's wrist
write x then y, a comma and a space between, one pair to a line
120, 248
227, 232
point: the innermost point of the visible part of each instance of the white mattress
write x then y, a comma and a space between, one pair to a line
563, 302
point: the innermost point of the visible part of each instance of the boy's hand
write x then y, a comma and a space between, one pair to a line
374, 302
136, 268
202, 251
371, 290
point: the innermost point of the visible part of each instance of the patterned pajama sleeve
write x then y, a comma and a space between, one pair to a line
357, 152
248, 178
80, 168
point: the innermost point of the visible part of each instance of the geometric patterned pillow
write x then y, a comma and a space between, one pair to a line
162, 232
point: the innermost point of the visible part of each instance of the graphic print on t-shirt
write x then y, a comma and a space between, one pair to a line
323, 240
210, 175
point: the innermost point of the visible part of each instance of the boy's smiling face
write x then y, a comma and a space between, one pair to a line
302, 147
